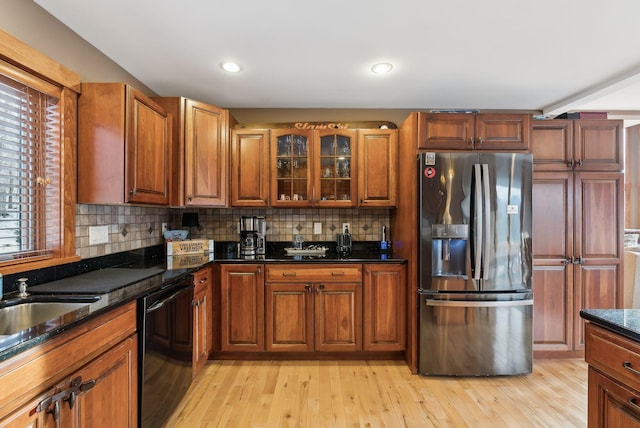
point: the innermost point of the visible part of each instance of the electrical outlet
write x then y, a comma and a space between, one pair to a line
346, 226
317, 228
165, 227
98, 235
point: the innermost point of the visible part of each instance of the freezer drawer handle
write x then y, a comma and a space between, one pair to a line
627, 365
478, 304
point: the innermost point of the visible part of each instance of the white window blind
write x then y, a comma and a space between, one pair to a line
29, 171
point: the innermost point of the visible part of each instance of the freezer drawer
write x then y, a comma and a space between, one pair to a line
475, 337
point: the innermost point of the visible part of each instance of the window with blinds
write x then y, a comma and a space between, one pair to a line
29, 169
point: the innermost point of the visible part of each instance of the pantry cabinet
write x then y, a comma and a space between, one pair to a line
578, 218
250, 175
124, 142
313, 308
242, 307
473, 131
199, 152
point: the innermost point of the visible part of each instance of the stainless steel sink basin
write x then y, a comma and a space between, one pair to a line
28, 315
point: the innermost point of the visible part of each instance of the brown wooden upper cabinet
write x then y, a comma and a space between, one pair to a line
480, 131
200, 152
581, 145
123, 146
377, 167
249, 170
320, 168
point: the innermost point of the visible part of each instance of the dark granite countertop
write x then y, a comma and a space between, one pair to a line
120, 279
623, 321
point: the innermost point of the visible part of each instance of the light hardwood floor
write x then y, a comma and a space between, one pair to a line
380, 394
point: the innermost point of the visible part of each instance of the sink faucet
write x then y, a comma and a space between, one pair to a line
22, 287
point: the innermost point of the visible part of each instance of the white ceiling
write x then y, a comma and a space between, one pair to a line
544, 55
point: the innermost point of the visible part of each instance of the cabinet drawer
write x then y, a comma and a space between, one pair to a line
613, 355
314, 273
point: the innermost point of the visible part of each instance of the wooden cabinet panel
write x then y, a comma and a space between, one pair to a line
123, 146
599, 145
199, 152
378, 167
600, 214
289, 317
445, 131
613, 383
242, 308
553, 307
552, 216
206, 153
202, 318
112, 400
384, 318
338, 317
552, 144
455, 131
502, 131
314, 273
250, 178
611, 404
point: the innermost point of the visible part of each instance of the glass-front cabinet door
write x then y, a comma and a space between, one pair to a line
335, 175
291, 168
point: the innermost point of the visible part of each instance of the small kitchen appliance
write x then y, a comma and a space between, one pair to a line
343, 241
253, 232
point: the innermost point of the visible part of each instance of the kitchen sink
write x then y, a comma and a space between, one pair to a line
27, 315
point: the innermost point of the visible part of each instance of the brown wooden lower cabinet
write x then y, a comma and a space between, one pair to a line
202, 317
290, 307
85, 377
614, 380
242, 307
385, 323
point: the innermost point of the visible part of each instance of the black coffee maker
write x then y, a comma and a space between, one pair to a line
252, 236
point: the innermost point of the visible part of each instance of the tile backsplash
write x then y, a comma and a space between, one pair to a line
132, 227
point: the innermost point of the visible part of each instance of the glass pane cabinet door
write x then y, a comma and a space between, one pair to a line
292, 169
336, 163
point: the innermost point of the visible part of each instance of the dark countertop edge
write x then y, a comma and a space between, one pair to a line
120, 298
625, 322
171, 275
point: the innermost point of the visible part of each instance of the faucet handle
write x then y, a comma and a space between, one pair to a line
22, 287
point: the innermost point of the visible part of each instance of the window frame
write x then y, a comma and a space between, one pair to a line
30, 63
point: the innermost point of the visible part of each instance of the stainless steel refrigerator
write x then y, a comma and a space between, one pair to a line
476, 301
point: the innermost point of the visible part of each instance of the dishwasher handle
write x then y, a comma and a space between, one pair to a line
157, 305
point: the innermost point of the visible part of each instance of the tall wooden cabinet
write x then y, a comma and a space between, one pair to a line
377, 168
123, 146
199, 152
578, 224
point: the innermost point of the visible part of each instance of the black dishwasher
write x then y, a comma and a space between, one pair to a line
165, 350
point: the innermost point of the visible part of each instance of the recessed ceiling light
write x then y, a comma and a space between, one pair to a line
381, 68
231, 67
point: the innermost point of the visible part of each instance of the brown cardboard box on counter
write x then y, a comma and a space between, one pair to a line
193, 246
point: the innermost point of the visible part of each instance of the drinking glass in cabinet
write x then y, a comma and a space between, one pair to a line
327, 146
344, 146
300, 168
283, 168
299, 146
284, 145
343, 168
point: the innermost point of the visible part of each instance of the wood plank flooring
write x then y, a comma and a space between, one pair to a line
380, 394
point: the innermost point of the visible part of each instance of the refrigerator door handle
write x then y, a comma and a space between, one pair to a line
477, 236
478, 303
486, 204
